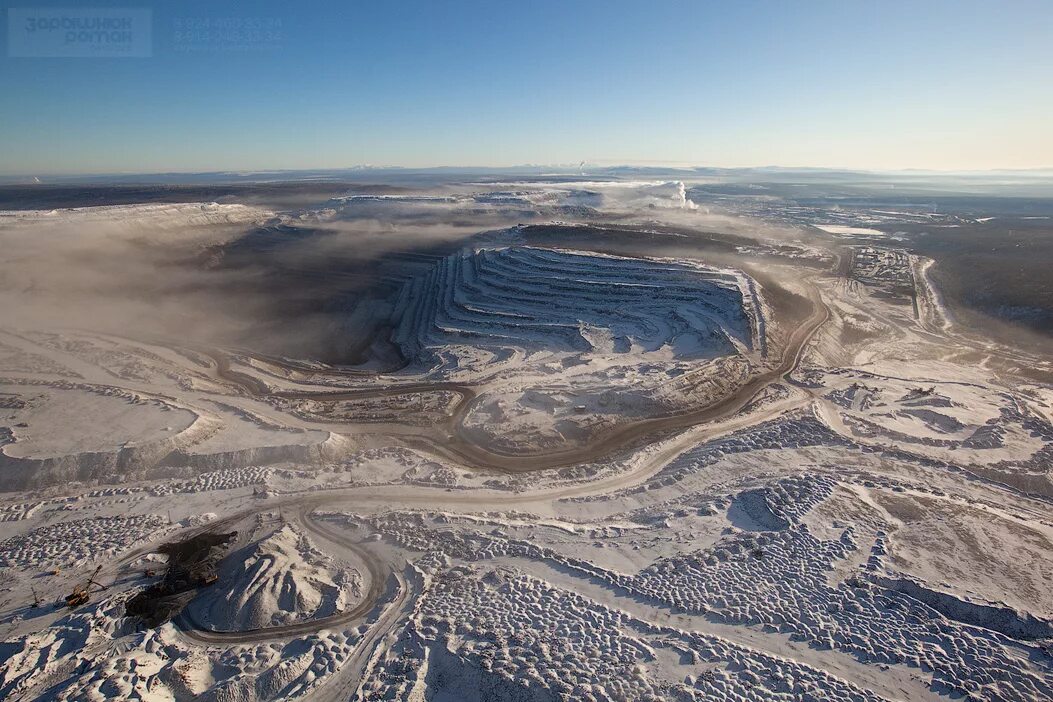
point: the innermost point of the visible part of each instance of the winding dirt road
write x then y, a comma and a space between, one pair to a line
348, 498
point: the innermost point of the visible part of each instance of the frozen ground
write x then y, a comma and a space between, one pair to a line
786, 473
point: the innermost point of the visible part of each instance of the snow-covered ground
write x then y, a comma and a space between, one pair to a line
845, 230
281, 579
521, 511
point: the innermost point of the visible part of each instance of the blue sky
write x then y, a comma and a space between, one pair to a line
884, 85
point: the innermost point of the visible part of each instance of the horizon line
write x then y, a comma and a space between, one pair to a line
585, 165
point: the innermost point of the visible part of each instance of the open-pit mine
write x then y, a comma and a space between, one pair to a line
521, 439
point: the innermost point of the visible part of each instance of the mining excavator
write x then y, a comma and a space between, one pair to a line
82, 593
